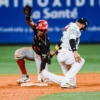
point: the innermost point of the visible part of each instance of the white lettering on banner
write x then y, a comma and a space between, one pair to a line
94, 28
45, 3
56, 3
57, 29
80, 3
60, 14
15, 3
42, 4
0, 29
4, 3
36, 15
28, 2
92, 3
68, 3
99, 2
51, 29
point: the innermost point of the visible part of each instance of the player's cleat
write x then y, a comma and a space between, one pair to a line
23, 79
68, 85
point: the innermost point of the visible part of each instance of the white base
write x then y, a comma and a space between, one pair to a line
33, 84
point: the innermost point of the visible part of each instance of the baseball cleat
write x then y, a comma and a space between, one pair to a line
68, 85
23, 79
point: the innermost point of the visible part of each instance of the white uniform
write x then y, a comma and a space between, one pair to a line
66, 58
29, 54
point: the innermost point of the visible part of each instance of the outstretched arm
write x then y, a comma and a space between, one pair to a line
27, 12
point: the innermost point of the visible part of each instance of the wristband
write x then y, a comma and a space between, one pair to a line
73, 44
28, 18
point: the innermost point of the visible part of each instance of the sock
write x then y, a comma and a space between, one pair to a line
21, 64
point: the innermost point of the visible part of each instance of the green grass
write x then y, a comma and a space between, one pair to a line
72, 96
91, 54
7, 63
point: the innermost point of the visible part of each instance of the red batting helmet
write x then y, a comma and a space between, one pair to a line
42, 24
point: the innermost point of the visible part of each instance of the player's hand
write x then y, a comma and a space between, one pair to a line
27, 10
52, 53
56, 47
77, 57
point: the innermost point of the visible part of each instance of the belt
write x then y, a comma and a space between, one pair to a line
60, 49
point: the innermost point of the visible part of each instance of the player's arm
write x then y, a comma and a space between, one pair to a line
45, 55
27, 11
57, 47
43, 62
72, 41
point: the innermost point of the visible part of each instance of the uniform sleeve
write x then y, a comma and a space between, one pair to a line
72, 34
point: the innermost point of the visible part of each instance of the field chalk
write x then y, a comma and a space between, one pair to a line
33, 84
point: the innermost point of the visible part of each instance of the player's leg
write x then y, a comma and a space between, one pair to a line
52, 77
38, 63
60, 79
65, 69
68, 59
20, 55
74, 69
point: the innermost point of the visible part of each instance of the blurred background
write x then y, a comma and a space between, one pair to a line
15, 33
58, 13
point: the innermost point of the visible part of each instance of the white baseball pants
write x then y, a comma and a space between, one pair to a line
29, 54
69, 67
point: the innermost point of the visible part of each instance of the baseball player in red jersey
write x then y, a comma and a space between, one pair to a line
68, 56
40, 50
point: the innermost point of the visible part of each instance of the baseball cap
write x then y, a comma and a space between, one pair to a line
83, 21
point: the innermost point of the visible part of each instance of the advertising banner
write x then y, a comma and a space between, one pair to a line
58, 13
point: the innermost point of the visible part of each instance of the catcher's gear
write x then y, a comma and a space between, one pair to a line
56, 47
27, 10
42, 25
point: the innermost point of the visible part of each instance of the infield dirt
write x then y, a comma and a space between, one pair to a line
10, 90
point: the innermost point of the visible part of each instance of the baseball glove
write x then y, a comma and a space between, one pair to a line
27, 10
